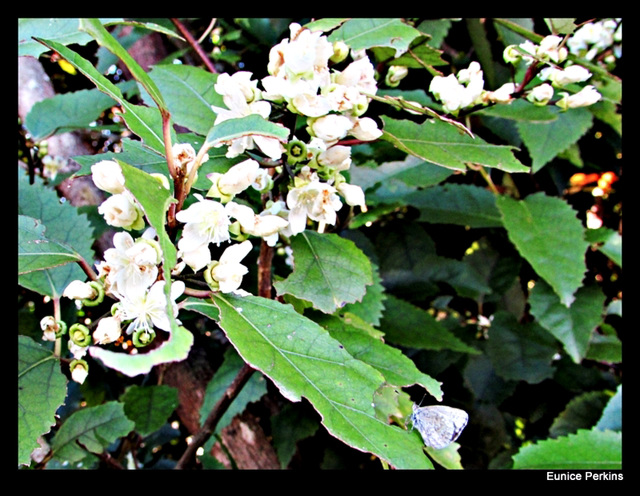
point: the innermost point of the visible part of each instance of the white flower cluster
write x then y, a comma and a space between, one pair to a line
301, 81
594, 38
551, 52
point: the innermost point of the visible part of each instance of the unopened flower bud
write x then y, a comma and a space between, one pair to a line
107, 176
80, 335
395, 74
79, 370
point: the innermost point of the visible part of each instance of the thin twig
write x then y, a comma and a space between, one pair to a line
194, 44
203, 435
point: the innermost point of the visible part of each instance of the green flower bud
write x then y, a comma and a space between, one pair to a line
296, 152
99, 289
80, 335
143, 337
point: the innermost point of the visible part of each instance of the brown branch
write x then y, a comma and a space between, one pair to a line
214, 417
194, 44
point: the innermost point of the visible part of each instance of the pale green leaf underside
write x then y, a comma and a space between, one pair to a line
302, 359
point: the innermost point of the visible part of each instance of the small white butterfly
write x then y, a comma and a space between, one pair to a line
439, 425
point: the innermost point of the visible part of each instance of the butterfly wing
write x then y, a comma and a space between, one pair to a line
439, 425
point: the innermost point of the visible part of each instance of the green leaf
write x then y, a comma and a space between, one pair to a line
155, 201
149, 406
302, 359
189, 94
329, 272
65, 226
397, 369
35, 251
572, 326
372, 305
548, 234
93, 428
42, 388
582, 412
459, 204
520, 352
252, 124
143, 121
443, 144
611, 418
62, 30
363, 33
407, 325
607, 241
65, 112
545, 140
95, 28
585, 450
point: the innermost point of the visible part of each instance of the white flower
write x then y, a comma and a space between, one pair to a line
206, 221
108, 330
49, 328
238, 178
120, 211
365, 129
550, 49
130, 266
79, 290
541, 94
585, 97
228, 271
266, 225
304, 55
315, 200
563, 77
79, 372
330, 128
359, 74
502, 94
107, 176
352, 194
149, 308
235, 90
459, 92
337, 157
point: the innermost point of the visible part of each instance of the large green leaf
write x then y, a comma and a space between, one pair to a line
189, 94
90, 430
362, 33
329, 272
545, 140
397, 368
95, 28
65, 226
572, 326
585, 450
42, 388
66, 112
520, 352
35, 251
548, 234
443, 144
303, 360
460, 204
